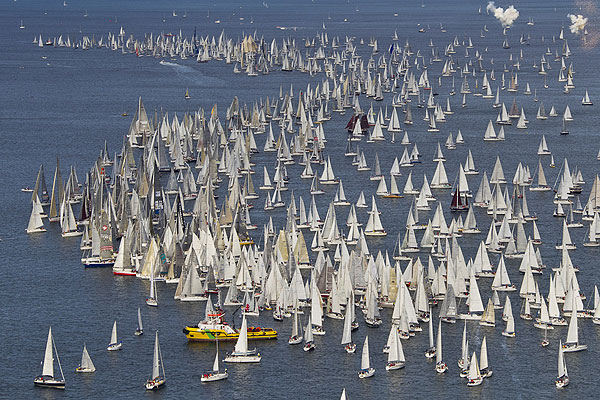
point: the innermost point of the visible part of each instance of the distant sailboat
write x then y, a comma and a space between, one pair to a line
241, 353
158, 378
440, 365
584, 102
187, 94
349, 346
396, 358
140, 328
47, 378
562, 379
484, 367
431, 351
308, 336
366, 371
36, 225
474, 377
22, 26
216, 374
114, 341
573, 344
296, 337
152, 300
86, 362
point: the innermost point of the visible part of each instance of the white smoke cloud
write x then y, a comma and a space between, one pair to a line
577, 23
506, 17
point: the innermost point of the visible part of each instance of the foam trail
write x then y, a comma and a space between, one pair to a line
577, 23
506, 17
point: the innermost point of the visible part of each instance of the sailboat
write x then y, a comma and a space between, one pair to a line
47, 378
474, 377
349, 346
585, 101
573, 344
396, 358
36, 225
488, 318
241, 353
562, 379
509, 331
474, 300
440, 365
152, 300
308, 336
484, 368
187, 94
366, 371
158, 378
140, 329
216, 374
86, 362
114, 343
295, 338
431, 351
22, 26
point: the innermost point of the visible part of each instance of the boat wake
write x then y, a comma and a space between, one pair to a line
170, 64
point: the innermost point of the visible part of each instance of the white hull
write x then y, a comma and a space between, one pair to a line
114, 346
152, 302
85, 370
441, 367
155, 384
390, 366
366, 373
214, 376
71, 234
572, 348
475, 382
243, 359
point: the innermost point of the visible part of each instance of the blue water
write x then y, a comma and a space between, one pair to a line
59, 102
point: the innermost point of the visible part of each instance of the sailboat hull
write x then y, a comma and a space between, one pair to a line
71, 234
309, 347
96, 262
155, 384
390, 366
114, 346
124, 272
572, 348
350, 348
366, 373
152, 302
214, 376
243, 358
49, 381
85, 370
441, 367
475, 382
295, 340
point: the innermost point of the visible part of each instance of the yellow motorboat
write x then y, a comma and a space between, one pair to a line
216, 328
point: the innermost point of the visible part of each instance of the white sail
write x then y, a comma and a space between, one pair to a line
156, 359
474, 373
241, 346
140, 326
365, 362
483, 356
396, 353
438, 347
347, 333
113, 337
48, 366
